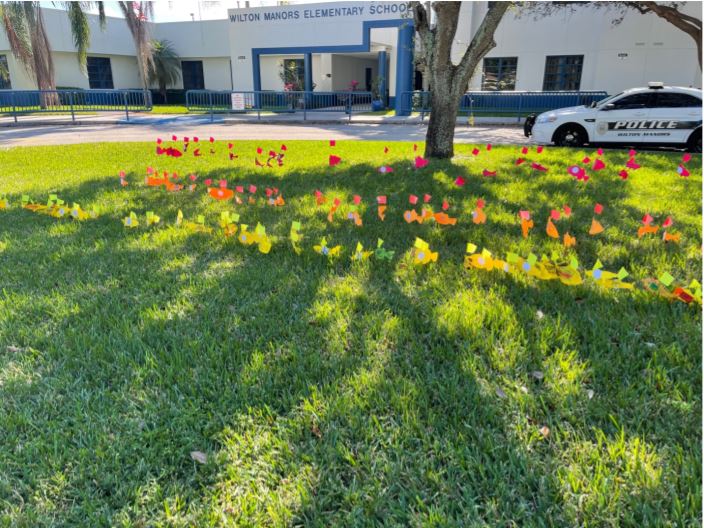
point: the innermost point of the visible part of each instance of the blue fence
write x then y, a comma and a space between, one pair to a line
508, 104
22, 102
215, 102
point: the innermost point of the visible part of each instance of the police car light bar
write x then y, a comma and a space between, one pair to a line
656, 85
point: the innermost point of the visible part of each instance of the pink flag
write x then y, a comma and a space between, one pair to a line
420, 162
334, 160
459, 181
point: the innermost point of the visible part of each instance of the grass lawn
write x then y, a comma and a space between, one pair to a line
340, 394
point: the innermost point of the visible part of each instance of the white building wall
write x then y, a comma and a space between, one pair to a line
654, 48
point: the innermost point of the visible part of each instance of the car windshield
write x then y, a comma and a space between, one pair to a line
607, 99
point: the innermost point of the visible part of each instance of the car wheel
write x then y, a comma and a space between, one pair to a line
695, 142
570, 136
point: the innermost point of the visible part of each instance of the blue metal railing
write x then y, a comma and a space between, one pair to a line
243, 102
22, 102
509, 104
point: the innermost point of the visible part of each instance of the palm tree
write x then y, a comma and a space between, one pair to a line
166, 66
24, 26
137, 15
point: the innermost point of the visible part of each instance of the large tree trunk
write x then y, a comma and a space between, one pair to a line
439, 140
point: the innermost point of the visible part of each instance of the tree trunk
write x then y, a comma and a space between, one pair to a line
439, 140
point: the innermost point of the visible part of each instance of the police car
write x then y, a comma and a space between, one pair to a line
656, 115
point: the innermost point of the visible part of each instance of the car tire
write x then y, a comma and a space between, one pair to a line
695, 142
570, 135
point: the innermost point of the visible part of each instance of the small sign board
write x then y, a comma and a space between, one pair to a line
238, 101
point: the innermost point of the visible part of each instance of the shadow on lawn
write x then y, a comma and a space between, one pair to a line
323, 393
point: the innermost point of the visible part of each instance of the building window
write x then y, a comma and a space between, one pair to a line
192, 75
99, 73
563, 72
294, 74
5, 83
499, 73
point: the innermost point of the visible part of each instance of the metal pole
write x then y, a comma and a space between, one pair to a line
305, 96
127, 108
210, 101
520, 106
14, 108
73, 114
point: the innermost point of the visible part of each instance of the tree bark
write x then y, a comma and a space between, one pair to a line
439, 139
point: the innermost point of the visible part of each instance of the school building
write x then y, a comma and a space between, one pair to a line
369, 46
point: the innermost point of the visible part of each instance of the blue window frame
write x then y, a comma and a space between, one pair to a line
563, 72
499, 73
99, 73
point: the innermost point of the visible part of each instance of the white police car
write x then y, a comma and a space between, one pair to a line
656, 115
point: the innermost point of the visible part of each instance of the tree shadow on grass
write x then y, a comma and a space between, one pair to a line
325, 394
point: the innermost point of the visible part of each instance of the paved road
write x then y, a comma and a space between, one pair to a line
93, 133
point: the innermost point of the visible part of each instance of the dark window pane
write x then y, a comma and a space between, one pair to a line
676, 100
5, 83
563, 72
294, 73
632, 102
499, 73
192, 75
99, 73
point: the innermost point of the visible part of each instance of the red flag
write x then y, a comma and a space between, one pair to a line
459, 181
539, 167
381, 200
488, 173
623, 174
519, 161
413, 199
420, 162
598, 208
252, 189
334, 160
524, 150
598, 165
427, 198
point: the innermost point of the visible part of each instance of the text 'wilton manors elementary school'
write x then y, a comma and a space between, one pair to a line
334, 12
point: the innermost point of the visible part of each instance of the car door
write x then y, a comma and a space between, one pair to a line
623, 120
673, 117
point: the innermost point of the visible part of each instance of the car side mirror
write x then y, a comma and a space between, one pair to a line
607, 107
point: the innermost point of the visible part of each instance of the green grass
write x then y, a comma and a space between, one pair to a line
339, 394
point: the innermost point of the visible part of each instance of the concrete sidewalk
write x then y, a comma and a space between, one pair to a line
94, 132
137, 118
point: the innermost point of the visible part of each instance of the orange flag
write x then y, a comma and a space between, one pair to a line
552, 230
568, 240
596, 227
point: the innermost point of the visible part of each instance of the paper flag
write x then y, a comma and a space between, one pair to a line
686, 157
524, 215
356, 199
595, 228
569, 241
459, 181
354, 216
478, 215
324, 250
385, 169
412, 199
555, 214
671, 237
415, 147
567, 210
422, 254
599, 152
586, 160
668, 222
666, 279
475, 151
335, 205
519, 161
551, 230
631, 153
487, 173
445, 205
179, 218
220, 193
623, 174
359, 253
381, 212
539, 149
538, 167
152, 219
578, 172
598, 165
524, 150
333, 143
420, 162
682, 171
526, 226
444, 219
412, 216
131, 221
647, 219
488, 146
381, 253
386, 150
222, 184
631, 164
622, 274
647, 229
427, 198
334, 160
471, 248
296, 236
598, 208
